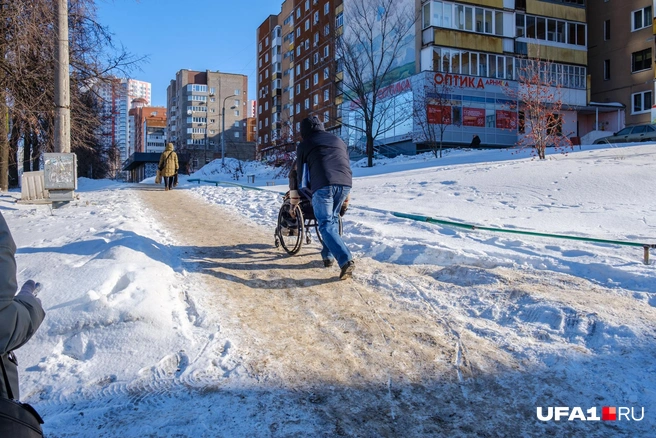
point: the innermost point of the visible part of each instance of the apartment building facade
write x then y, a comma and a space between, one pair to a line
477, 48
296, 68
621, 59
206, 115
149, 128
481, 49
116, 100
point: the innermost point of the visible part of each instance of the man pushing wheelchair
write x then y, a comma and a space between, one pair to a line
324, 157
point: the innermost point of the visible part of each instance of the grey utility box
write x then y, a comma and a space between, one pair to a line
60, 175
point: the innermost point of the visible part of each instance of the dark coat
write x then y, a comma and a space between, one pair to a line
326, 157
20, 315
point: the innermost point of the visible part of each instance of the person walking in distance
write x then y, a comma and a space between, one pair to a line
327, 161
168, 166
20, 314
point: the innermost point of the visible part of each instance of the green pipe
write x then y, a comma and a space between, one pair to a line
216, 183
415, 217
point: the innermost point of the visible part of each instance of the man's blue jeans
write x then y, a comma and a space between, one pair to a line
326, 202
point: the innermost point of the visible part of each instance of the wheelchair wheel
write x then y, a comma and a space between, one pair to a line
291, 238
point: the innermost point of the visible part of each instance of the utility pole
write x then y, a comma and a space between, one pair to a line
62, 83
4, 117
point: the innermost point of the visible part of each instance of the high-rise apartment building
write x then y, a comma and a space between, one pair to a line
295, 52
204, 108
621, 59
116, 100
474, 49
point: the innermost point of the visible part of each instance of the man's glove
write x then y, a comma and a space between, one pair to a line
345, 205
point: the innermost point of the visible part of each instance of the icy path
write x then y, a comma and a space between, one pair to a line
277, 346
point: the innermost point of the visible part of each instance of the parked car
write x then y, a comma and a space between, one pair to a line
631, 134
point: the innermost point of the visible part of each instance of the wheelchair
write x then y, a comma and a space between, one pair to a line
294, 225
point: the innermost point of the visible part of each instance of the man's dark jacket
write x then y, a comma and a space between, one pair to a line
326, 157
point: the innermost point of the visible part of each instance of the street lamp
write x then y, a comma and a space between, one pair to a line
223, 130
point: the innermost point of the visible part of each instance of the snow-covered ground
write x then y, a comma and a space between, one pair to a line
113, 279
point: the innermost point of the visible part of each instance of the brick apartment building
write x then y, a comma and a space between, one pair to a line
296, 68
200, 104
621, 59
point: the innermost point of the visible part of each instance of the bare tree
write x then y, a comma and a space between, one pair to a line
377, 37
539, 103
27, 75
432, 114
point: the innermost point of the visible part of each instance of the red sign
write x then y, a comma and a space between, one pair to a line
438, 115
462, 81
473, 117
506, 119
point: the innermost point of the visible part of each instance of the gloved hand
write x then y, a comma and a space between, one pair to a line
345, 205
294, 198
30, 287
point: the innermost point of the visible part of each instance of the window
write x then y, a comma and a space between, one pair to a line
315, 100
641, 102
315, 79
641, 18
640, 60
307, 84
307, 103
326, 9
326, 116
521, 122
326, 51
316, 58
606, 69
307, 24
326, 73
606, 30
326, 95
326, 30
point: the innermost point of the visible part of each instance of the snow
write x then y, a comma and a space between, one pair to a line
118, 324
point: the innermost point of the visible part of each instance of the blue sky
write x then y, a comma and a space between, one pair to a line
223, 33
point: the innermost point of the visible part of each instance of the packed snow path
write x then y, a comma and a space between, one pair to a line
281, 347
403, 351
